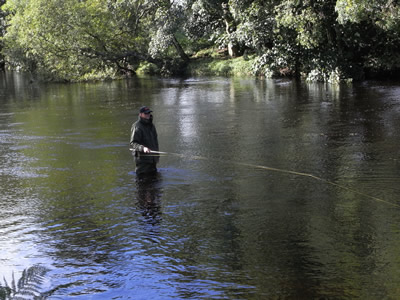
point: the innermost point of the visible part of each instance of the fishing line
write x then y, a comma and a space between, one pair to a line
322, 180
282, 171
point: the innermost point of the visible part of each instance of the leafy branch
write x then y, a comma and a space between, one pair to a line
28, 285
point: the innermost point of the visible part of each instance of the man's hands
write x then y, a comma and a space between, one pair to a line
146, 150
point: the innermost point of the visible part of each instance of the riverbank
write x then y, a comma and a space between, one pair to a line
240, 66
214, 62
249, 66
209, 62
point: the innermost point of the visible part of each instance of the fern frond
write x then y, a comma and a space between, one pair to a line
28, 285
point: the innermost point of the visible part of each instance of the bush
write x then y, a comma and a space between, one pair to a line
148, 69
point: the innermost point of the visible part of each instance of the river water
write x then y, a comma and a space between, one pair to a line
272, 189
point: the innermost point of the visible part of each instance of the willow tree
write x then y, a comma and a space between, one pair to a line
71, 39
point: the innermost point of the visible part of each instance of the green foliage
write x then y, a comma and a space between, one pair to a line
305, 22
371, 31
148, 68
85, 40
68, 38
2, 32
210, 53
240, 66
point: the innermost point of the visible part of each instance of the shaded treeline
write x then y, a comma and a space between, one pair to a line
325, 40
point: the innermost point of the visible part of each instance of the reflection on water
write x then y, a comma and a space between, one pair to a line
149, 195
211, 224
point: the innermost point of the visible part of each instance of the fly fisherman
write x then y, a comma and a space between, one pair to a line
143, 141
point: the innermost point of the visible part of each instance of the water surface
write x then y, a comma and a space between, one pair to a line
274, 189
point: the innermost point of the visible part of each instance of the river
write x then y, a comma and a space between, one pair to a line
271, 189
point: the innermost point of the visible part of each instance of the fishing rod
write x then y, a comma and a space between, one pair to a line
152, 151
282, 171
175, 154
158, 152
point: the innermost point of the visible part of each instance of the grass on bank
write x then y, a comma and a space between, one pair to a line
241, 66
209, 62
212, 62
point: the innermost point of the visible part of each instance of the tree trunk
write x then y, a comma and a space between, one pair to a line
2, 62
230, 27
179, 48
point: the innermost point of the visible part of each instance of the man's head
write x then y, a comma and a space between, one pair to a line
145, 112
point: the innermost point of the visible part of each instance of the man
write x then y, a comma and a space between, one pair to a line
143, 141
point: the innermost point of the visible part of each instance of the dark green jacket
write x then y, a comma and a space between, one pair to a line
144, 134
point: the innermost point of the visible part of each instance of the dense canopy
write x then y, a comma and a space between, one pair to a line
326, 40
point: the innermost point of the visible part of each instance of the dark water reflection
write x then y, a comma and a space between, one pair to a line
149, 195
212, 224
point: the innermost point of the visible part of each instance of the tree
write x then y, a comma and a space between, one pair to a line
72, 39
167, 24
2, 32
319, 39
255, 23
371, 33
216, 19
